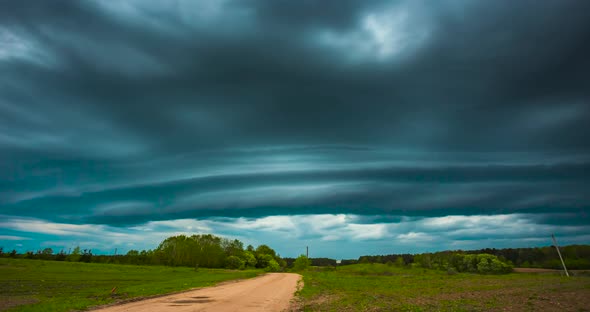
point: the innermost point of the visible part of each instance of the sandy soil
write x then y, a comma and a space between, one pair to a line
270, 292
535, 270
560, 272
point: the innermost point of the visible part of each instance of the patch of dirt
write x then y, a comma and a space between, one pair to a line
545, 297
536, 270
552, 271
315, 303
296, 303
11, 302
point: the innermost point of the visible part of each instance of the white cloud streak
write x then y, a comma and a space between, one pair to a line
284, 232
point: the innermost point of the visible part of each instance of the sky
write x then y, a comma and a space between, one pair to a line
351, 127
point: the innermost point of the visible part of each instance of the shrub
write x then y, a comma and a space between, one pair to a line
301, 263
75, 255
234, 262
263, 260
273, 266
249, 259
480, 263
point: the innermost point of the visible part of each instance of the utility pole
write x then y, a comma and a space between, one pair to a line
559, 253
307, 251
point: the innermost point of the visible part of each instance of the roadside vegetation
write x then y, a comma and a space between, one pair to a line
196, 251
382, 287
301, 263
38, 285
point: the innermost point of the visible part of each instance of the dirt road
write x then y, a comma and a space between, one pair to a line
271, 292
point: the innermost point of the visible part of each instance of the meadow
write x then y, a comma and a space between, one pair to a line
381, 287
36, 285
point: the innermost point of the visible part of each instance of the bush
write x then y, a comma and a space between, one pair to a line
249, 259
273, 266
301, 263
75, 255
234, 262
480, 263
263, 260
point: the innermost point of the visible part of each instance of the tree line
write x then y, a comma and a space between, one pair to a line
209, 251
576, 257
206, 251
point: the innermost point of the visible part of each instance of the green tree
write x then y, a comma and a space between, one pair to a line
282, 263
232, 247
46, 253
249, 259
234, 262
273, 266
264, 249
264, 254
206, 250
75, 255
210, 251
301, 263
262, 260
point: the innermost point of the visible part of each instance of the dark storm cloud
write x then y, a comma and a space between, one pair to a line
177, 84
127, 112
308, 14
398, 191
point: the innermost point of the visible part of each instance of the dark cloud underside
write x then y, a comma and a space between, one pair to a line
122, 113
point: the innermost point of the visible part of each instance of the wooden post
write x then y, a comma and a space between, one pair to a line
559, 253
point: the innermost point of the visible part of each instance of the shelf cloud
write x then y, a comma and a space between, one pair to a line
295, 122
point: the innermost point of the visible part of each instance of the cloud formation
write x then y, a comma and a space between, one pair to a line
115, 115
324, 233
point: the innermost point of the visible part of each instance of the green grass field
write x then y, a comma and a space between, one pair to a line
33, 285
378, 287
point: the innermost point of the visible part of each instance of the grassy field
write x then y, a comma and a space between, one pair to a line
33, 285
378, 287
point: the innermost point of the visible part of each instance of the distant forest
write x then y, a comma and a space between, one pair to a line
576, 257
209, 251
